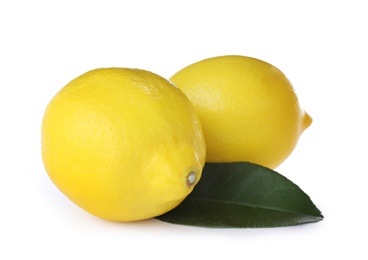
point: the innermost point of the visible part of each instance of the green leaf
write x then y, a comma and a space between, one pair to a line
243, 195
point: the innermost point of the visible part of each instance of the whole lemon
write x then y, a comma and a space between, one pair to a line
248, 109
123, 144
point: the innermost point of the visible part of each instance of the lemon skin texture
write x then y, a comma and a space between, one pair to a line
121, 143
248, 109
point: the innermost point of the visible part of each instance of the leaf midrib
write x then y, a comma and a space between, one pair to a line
225, 202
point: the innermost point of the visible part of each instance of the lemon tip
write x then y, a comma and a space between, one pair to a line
307, 120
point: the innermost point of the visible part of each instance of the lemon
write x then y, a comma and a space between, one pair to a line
123, 144
248, 109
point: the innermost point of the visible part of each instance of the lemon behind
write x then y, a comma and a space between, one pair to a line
248, 109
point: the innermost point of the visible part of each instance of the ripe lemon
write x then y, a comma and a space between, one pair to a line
123, 144
248, 109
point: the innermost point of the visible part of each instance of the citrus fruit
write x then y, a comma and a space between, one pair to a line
123, 144
248, 109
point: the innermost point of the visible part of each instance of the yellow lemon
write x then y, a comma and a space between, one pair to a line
248, 109
123, 144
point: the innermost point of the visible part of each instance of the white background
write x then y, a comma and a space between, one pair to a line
320, 45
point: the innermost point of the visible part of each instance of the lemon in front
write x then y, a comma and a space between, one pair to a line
123, 144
